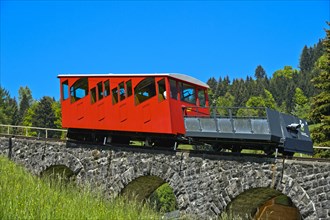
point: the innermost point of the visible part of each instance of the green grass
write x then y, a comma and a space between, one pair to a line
24, 196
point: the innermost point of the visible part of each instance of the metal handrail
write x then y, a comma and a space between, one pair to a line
12, 130
231, 112
319, 147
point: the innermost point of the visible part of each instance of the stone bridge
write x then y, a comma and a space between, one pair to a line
203, 184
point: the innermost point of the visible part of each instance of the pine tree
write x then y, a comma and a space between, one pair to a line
8, 108
305, 63
321, 102
212, 82
223, 86
260, 73
44, 115
238, 90
25, 101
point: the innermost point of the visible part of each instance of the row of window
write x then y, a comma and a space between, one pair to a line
143, 91
187, 93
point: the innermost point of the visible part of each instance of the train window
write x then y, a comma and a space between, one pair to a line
201, 98
145, 90
106, 88
129, 88
79, 89
161, 90
122, 91
174, 89
115, 96
100, 90
188, 93
93, 95
65, 90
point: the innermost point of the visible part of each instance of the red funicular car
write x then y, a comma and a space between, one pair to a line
123, 107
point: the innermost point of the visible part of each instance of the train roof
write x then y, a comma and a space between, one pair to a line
178, 76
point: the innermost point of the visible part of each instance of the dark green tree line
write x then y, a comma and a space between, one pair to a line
320, 110
45, 113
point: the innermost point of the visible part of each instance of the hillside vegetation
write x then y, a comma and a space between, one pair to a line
24, 196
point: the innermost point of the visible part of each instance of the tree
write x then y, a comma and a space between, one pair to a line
288, 72
225, 101
25, 91
164, 198
260, 73
56, 106
25, 101
269, 99
30, 114
305, 62
8, 108
252, 109
320, 112
212, 82
222, 87
238, 90
44, 115
301, 102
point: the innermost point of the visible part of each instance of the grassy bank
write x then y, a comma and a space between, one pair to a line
24, 196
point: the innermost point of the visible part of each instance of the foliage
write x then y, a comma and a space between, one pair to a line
44, 115
287, 72
56, 107
320, 112
260, 73
224, 101
302, 106
8, 108
269, 99
164, 198
25, 101
24, 196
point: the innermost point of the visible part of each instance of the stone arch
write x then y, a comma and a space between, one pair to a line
153, 169
60, 159
237, 185
259, 179
299, 197
247, 204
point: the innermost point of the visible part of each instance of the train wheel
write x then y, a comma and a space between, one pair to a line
269, 151
217, 148
236, 149
163, 143
120, 140
288, 154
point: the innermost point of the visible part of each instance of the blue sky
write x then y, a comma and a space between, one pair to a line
41, 39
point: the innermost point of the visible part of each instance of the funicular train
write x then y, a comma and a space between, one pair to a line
167, 109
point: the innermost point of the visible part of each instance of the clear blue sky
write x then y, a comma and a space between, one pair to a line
41, 39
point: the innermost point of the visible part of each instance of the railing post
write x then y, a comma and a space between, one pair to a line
10, 147
8, 130
46, 133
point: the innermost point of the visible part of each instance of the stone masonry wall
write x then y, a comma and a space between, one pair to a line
203, 185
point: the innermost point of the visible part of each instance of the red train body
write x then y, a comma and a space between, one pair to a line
165, 109
130, 103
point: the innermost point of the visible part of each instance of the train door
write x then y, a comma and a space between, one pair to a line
78, 92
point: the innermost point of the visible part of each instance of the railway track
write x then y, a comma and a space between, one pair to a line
195, 153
